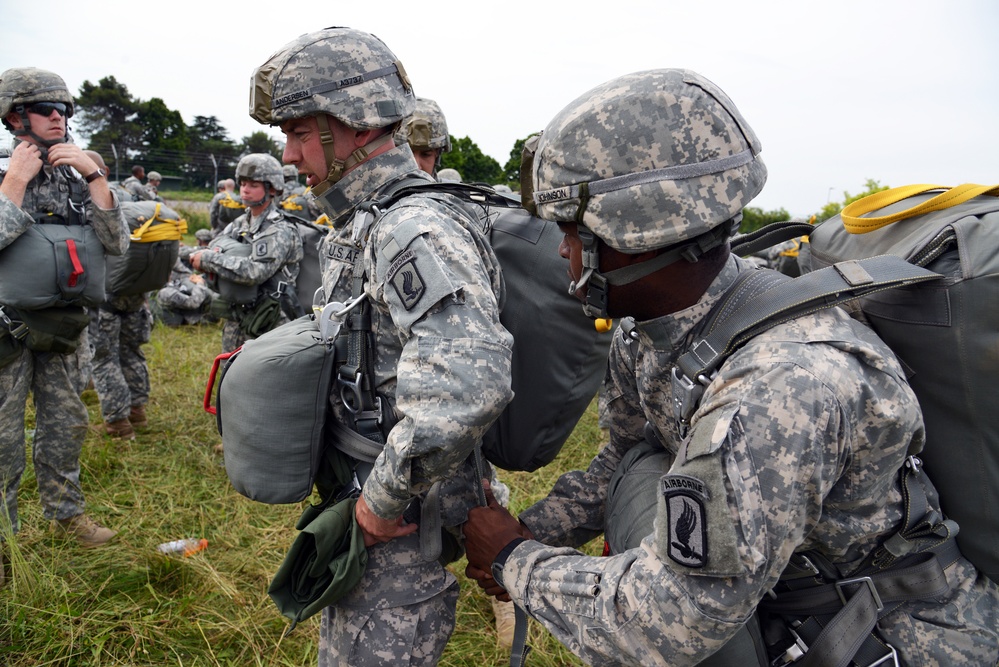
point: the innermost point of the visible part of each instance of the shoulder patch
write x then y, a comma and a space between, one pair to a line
404, 275
260, 248
341, 252
686, 515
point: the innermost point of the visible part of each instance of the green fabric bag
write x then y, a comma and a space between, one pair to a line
261, 318
10, 348
54, 329
325, 562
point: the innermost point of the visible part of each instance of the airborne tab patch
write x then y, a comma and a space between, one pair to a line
406, 279
687, 530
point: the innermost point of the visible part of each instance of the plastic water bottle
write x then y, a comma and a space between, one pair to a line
186, 547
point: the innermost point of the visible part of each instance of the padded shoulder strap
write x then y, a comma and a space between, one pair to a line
762, 299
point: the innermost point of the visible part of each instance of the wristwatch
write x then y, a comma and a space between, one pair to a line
100, 173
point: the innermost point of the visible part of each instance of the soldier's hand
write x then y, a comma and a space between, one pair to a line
487, 583
25, 163
71, 155
377, 529
488, 530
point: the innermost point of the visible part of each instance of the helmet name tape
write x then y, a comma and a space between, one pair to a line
336, 85
675, 173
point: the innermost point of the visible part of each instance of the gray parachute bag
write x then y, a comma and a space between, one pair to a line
147, 264
944, 332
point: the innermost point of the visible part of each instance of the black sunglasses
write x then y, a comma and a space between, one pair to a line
46, 108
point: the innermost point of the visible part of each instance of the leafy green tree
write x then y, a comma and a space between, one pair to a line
511, 170
473, 165
261, 142
753, 218
207, 139
164, 137
106, 115
829, 210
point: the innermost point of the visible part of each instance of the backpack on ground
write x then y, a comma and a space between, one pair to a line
152, 252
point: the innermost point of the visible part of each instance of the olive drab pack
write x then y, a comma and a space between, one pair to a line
152, 252
550, 332
230, 208
232, 293
310, 279
944, 333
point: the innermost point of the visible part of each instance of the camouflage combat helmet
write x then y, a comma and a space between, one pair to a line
341, 72
290, 172
261, 167
650, 160
154, 176
23, 86
426, 129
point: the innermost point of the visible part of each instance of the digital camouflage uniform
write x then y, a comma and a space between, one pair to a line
54, 380
443, 360
118, 330
182, 300
276, 253
138, 190
795, 445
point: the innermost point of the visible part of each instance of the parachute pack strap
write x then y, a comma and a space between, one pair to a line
164, 229
354, 444
207, 404
854, 224
765, 298
78, 191
519, 649
769, 235
74, 259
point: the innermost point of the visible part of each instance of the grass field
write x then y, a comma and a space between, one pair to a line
125, 604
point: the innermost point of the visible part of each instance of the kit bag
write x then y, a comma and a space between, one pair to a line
310, 277
53, 265
232, 293
152, 252
944, 332
272, 400
230, 208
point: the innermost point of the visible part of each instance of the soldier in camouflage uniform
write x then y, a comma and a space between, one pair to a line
225, 189
134, 183
292, 186
441, 358
794, 448
183, 300
38, 187
427, 135
275, 250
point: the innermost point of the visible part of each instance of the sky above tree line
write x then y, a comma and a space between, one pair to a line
897, 91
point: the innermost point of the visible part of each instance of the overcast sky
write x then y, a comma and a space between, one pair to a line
838, 92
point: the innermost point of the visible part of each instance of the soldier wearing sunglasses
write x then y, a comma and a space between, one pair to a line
50, 183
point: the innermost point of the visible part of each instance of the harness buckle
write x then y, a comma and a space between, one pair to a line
859, 580
793, 653
890, 659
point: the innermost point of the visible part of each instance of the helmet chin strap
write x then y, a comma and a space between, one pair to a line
337, 167
43, 144
598, 283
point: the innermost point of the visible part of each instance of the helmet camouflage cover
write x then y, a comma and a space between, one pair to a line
261, 167
426, 129
648, 160
26, 85
290, 172
154, 176
346, 73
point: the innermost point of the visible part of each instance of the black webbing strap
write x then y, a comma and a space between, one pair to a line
769, 236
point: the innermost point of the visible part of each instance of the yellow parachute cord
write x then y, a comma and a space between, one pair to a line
167, 230
854, 224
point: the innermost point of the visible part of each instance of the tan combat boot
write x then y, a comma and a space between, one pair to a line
506, 622
121, 429
137, 416
85, 530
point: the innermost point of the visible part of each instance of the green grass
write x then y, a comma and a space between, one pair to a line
125, 604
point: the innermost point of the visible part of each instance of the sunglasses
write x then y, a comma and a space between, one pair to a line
46, 108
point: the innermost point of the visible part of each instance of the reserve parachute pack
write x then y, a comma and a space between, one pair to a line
310, 279
559, 360
152, 252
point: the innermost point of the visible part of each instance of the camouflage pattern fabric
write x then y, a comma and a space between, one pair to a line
277, 251
794, 447
697, 170
139, 191
442, 359
118, 330
183, 300
54, 380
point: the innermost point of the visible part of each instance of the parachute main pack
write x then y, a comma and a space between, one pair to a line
559, 360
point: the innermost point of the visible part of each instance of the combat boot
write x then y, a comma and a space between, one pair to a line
85, 530
137, 416
121, 429
506, 622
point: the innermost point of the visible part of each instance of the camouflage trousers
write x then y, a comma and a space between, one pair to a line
121, 374
54, 381
402, 612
